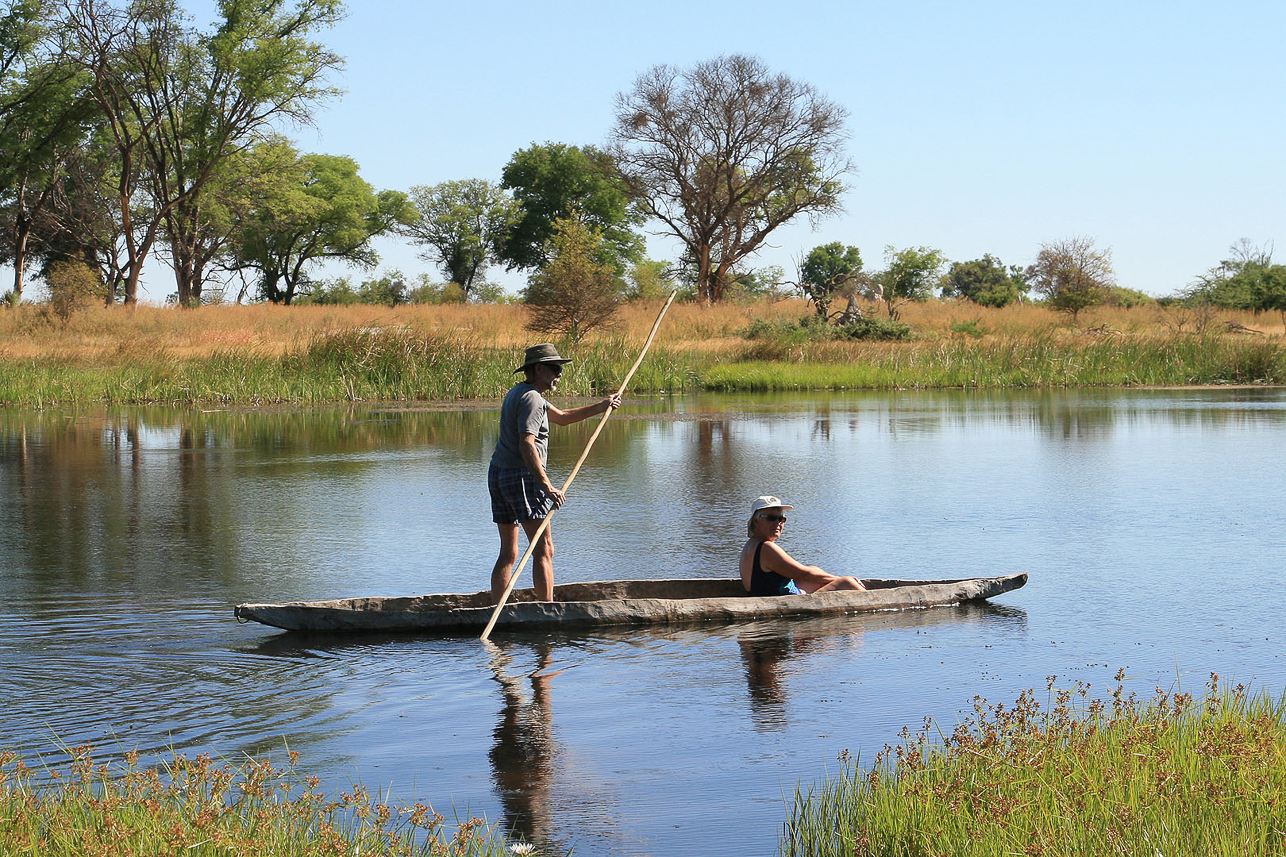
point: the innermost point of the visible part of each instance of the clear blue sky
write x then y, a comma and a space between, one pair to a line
1156, 128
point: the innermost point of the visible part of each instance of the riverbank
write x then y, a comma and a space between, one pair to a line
261, 355
1174, 775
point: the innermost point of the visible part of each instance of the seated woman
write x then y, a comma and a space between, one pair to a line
766, 569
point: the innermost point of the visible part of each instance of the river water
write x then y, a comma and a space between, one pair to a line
1152, 524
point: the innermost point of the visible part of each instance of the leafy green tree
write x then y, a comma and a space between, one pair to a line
576, 292
828, 272
768, 282
425, 291
46, 113
178, 102
79, 224
556, 181
1246, 280
1072, 275
319, 208
649, 279
725, 152
909, 275
336, 292
985, 281
388, 290
460, 222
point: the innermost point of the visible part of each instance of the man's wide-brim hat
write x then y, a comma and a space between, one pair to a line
543, 353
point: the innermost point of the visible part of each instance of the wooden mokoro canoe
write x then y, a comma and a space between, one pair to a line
616, 602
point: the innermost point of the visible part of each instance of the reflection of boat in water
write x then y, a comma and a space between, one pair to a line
619, 602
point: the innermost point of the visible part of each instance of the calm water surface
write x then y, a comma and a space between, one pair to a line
1152, 524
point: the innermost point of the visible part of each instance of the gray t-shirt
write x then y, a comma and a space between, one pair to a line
524, 411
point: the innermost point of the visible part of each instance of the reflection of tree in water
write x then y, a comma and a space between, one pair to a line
522, 756
153, 490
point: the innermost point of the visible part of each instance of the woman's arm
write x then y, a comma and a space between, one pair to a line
773, 558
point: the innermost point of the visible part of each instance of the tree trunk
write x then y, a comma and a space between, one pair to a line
20, 260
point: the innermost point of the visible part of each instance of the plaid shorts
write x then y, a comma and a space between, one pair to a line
516, 496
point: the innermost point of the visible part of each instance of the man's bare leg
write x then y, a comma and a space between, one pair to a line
505, 563
542, 561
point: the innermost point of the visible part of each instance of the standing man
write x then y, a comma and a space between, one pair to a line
521, 492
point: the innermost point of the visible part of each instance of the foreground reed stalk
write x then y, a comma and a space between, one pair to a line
1172, 776
195, 807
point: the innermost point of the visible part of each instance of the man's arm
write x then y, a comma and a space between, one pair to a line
559, 417
530, 457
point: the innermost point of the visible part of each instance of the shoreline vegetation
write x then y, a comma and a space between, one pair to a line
194, 806
1172, 775
263, 355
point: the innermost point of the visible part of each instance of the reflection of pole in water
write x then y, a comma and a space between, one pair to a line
521, 756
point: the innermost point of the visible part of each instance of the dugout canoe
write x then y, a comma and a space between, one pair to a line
614, 603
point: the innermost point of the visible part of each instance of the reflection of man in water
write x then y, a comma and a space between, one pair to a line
521, 757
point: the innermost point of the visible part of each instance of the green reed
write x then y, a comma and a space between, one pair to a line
1169, 776
1033, 360
198, 808
401, 364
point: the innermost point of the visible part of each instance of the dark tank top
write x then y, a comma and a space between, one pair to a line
764, 582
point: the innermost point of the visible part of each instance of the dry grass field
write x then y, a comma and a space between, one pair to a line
108, 335
260, 354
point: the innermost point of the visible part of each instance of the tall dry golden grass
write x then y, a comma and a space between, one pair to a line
109, 335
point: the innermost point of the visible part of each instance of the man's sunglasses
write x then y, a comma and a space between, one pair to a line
773, 519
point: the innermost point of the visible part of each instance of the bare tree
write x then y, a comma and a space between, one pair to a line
1072, 275
724, 153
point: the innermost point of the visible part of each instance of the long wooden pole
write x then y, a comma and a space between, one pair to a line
544, 525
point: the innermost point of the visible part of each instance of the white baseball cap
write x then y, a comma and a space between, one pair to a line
767, 501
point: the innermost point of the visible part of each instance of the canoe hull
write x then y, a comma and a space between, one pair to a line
615, 603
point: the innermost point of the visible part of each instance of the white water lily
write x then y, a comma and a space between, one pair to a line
522, 848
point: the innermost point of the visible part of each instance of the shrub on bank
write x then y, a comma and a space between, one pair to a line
811, 328
1174, 775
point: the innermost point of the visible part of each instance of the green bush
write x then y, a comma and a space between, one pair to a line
812, 328
875, 328
1128, 298
968, 328
337, 292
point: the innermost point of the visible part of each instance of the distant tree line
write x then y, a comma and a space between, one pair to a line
131, 134
1068, 275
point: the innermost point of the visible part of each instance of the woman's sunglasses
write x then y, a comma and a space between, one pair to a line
773, 519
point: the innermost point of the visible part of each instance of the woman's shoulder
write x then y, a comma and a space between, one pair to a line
773, 551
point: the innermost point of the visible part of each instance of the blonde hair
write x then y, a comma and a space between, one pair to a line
750, 525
